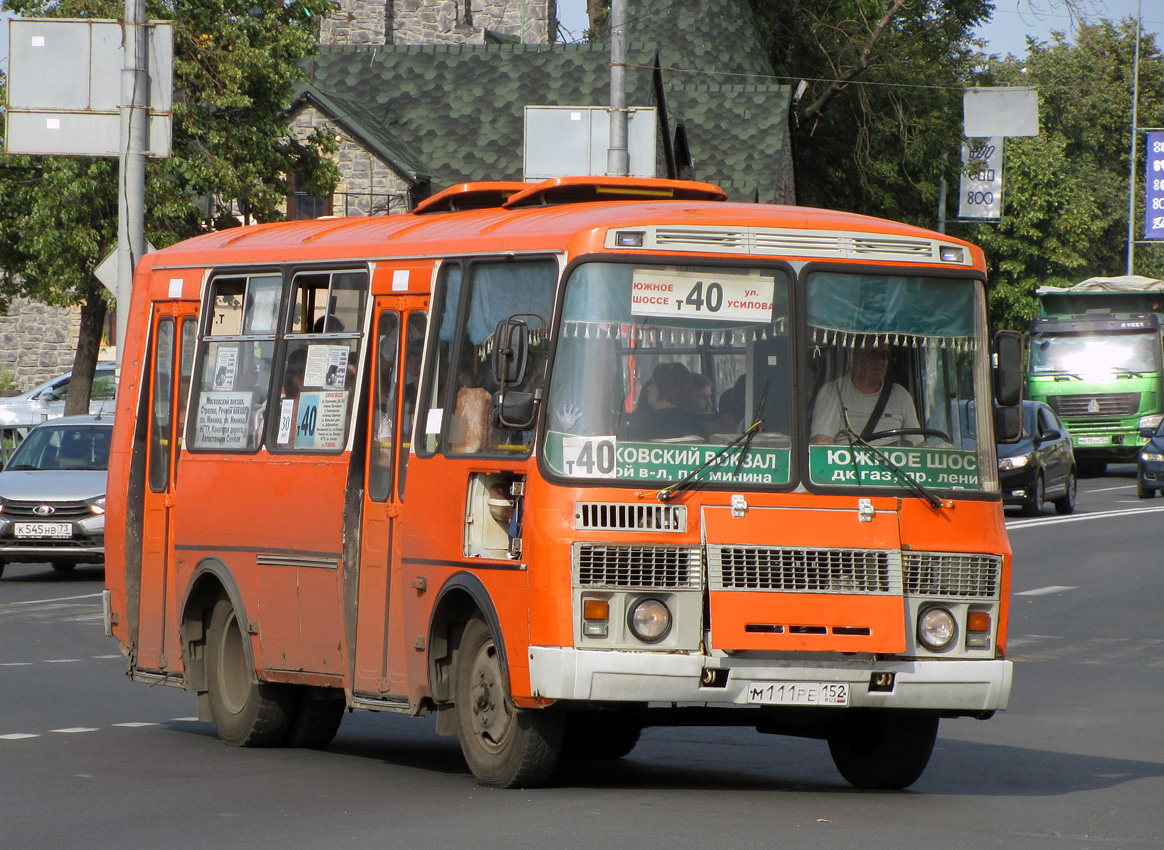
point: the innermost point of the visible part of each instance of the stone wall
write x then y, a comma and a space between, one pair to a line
438, 21
367, 185
37, 342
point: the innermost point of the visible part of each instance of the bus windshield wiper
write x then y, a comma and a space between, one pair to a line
904, 477
691, 479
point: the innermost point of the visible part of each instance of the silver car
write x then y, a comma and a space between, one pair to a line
52, 494
47, 401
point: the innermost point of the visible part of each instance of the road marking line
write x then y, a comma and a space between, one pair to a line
1043, 521
16, 664
105, 656
59, 599
73, 729
1043, 591
1107, 489
60, 660
183, 719
135, 724
17, 736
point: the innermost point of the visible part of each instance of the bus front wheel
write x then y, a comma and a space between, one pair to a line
246, 712
883, 750
504, 746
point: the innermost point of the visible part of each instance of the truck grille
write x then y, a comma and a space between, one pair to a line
950, 574
617, 565
873, 571
1095, 404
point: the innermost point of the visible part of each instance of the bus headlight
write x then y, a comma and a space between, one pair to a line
649, 620
936, 628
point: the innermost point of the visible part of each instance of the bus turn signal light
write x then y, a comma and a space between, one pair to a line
978, 630
595, 614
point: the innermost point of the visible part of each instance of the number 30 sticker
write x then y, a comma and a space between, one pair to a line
589, 457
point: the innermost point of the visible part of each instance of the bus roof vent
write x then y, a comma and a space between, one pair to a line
702, 239
471, 196
620, 516
581, 190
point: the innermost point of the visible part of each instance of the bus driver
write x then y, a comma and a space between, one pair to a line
863, 402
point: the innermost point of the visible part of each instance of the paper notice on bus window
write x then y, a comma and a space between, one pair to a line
327, 366
286, 420
320, 420
225, 365
224, 421
718, 296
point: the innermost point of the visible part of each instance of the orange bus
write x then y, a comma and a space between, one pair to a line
562, 461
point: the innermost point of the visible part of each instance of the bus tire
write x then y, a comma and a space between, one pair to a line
883, 750
504, 746
246, 712
604, 735
317, 717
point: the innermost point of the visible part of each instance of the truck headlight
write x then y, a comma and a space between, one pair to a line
1152, 421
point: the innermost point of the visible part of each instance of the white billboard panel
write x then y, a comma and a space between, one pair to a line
565, 140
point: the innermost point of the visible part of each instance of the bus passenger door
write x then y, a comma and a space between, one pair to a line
171, 360
398, 343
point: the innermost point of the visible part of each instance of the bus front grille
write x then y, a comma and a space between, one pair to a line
804, 570
619, 565
952, 574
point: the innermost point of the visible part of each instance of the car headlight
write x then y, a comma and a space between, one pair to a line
649, 620
97, 505
1013, 462
936, 628
1152, 457
1152, 421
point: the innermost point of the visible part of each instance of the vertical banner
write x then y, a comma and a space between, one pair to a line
980, 192
1154, 187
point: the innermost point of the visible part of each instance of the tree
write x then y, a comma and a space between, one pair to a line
235, 65
1065, 213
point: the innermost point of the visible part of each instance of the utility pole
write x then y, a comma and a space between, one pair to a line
617, 159
134, 146
1132, 157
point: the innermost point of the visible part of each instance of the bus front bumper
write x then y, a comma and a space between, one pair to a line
960, 686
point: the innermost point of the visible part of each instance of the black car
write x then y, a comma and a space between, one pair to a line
1150, 464
1041, 466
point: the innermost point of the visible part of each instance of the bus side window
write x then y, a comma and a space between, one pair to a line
234, 378
384, 417
318, 372
430, 416
413, 351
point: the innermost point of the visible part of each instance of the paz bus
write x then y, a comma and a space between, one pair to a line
537, 458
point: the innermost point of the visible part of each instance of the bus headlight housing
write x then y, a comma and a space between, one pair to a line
936, 628
649, 620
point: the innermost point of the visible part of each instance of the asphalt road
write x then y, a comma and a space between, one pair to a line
90, 760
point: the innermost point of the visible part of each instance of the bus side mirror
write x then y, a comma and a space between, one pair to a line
514, 410
510, 352
1008, 424
1008, 368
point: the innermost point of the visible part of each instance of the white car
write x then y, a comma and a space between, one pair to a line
47, 401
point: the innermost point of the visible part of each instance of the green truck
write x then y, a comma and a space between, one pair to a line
1095, 357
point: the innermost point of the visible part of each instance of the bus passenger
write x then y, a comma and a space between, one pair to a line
862, 403
664, 406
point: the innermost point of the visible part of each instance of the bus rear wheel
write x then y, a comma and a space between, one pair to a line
246, 712
504, 746
603, 735
883, 750
318, 712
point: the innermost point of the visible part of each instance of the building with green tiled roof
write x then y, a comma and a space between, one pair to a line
412, 119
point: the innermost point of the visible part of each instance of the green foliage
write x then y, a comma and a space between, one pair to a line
880, 118
1065, 214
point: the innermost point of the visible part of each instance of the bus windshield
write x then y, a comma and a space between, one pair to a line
1090, 355
896, 364
660, 368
